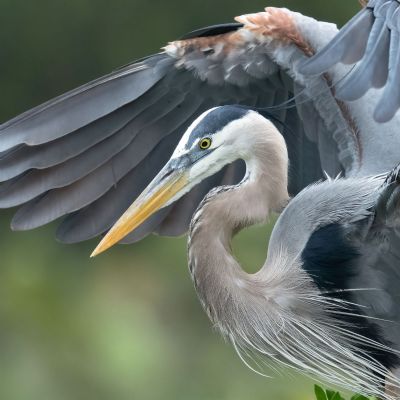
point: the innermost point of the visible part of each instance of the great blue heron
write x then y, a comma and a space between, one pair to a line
324, 299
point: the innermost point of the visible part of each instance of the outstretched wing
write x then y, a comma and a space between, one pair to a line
372, 40
88, 154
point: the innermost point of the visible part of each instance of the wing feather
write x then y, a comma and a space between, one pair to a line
82, 106
88, 154
348, 46
60, 201
371, 38
390, 101
23, 158
372, 70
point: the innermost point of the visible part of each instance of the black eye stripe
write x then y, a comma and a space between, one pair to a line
215, 121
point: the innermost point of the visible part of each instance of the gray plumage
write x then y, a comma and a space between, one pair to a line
322, 301
372, 40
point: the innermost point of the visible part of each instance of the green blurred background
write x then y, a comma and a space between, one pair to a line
126, 325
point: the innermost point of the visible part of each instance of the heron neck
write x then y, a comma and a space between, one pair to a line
216, 273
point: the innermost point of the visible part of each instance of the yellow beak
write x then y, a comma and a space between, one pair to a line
157, 194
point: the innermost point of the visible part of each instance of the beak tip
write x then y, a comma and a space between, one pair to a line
98, 250
94, 253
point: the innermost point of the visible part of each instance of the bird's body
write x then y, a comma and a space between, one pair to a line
291, 312
326, 302
329, 286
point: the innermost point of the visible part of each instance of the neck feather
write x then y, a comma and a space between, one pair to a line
225, 211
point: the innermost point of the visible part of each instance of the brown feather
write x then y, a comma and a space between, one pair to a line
278, 25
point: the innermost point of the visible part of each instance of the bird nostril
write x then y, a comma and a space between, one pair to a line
168, 173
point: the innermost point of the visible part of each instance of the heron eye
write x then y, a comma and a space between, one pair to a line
205, 143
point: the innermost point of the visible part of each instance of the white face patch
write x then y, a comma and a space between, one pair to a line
234, 141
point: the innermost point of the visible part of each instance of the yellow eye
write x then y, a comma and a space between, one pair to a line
205, 143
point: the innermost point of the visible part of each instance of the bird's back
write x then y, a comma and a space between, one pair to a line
332, 228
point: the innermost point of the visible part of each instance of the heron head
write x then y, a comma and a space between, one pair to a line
216, 138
